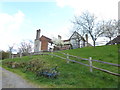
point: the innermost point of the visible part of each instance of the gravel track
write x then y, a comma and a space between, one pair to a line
11, 80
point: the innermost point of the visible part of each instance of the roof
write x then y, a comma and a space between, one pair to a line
77, 34
115, 40
66, 40
81, 37
48, 39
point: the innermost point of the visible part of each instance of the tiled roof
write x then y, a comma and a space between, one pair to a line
66, 40
49, 40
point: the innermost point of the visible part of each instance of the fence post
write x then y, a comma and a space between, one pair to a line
12, 56
30, 55
67, 57
90, 62
20, 54
52, 53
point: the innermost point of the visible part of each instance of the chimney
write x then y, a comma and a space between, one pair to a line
38, 34
86, 38
59, 37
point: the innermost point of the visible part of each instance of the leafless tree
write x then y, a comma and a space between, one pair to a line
0, 54
86, 24
111, 29
10, 50
118, 27
25, 47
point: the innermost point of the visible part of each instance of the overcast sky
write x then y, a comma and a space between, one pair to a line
20, 20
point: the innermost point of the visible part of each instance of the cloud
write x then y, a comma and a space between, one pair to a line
27, 0
11, 22
9, 25
101, 8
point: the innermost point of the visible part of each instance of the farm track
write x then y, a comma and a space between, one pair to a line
11, 80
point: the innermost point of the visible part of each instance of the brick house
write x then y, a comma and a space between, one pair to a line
46, 43
42, 43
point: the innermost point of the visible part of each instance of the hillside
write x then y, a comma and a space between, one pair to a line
72, 75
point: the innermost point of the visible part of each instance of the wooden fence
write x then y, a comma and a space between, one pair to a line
90, 62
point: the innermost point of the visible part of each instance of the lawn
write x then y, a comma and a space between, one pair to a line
0, 62
72, 75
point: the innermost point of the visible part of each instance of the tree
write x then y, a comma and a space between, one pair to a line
58, 42
86, 24
118, 27
0, 54
111, 29
4, 55
25, 47
10, 50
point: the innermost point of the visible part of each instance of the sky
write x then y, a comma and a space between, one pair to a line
19, 19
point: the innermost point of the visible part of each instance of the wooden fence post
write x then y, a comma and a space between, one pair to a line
90, 63
30, 55
67, 57
52, 53
12, 56
20, 54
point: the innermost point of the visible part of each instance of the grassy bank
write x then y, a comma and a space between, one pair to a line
73, 75
0, 63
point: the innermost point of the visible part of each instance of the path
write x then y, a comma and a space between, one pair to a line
11, 80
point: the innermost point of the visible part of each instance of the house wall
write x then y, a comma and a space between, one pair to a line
82, 44
67, 42
77, 42
44, 44
37, 46
50, 46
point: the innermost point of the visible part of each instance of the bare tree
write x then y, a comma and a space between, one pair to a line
86, 24
111, 29
0, 54
10, 50
118, 27
25, 47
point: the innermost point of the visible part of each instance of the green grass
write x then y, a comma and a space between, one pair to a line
74, 75
0, 63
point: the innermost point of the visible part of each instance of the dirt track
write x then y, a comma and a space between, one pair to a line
11, 80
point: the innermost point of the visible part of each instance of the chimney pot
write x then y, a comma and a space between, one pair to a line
59, 37
86, 38
38, 34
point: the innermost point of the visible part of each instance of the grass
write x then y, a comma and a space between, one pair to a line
0, 63
74, 75
103, 53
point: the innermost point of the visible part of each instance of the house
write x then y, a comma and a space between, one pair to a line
77, 41
61, 44
42, 43
46, 43
114, 41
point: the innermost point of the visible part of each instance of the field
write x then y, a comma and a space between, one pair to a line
72, 75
